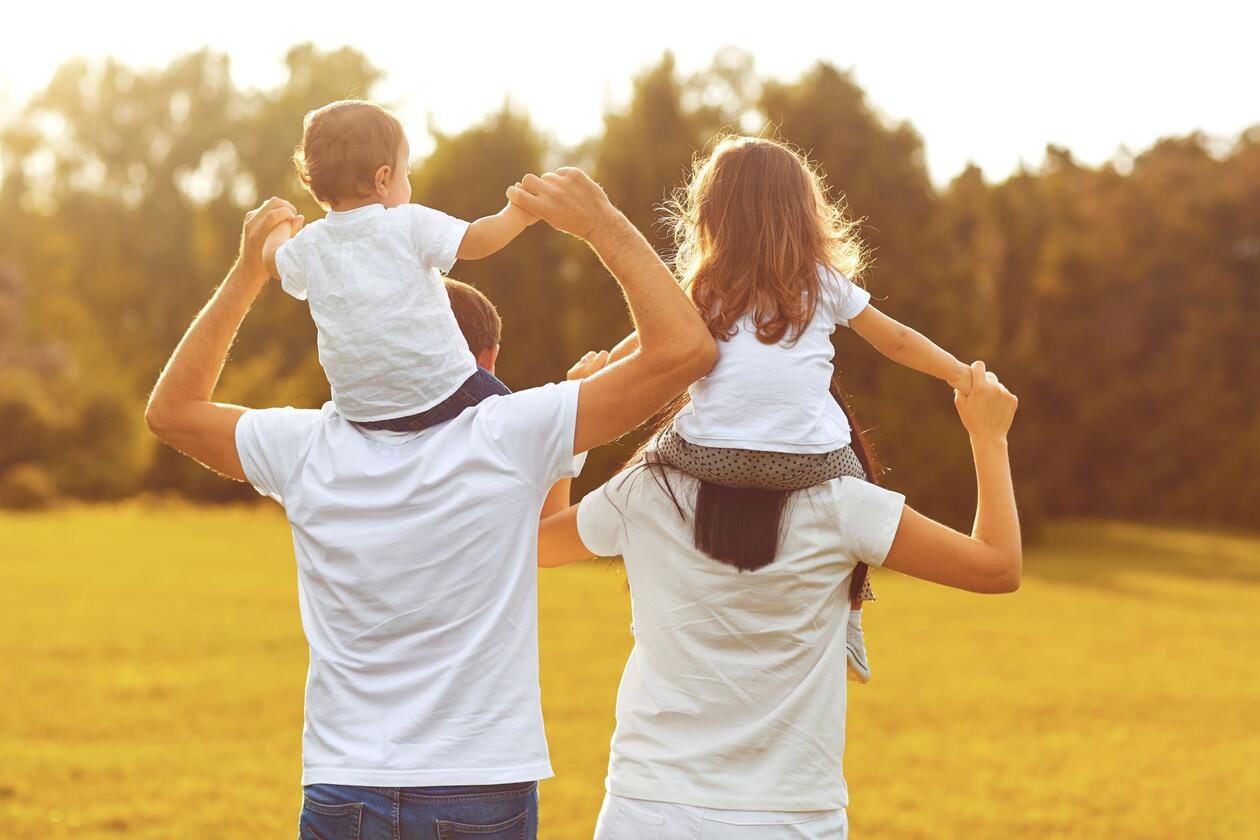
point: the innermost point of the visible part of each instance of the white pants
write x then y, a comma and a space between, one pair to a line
641, 819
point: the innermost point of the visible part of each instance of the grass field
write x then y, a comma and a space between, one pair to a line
153, 667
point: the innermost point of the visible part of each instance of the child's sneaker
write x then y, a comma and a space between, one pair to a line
855, 648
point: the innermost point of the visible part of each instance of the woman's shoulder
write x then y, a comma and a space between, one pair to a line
861, 515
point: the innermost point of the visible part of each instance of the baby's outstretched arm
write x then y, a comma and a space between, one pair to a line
279, 235
910, 348
490, 234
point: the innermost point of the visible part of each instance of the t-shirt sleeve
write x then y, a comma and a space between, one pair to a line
533, 430
843, 298
869, 516
601, 518
291, 263
436, 236
271, 443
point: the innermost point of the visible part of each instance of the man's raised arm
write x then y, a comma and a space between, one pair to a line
675, 348
180, 410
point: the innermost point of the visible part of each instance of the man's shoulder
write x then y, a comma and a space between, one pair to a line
273, 442
286, 421
535, 425
523, 405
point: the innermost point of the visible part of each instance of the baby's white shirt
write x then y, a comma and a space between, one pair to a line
776, 397
388, 340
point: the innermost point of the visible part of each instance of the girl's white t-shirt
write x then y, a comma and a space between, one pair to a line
734, 693
775, 397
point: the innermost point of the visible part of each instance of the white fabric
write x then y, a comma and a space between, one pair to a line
637, 819
734, 692
774, 397
388, 340
417, 576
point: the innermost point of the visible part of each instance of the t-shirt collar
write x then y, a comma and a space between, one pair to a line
358, 214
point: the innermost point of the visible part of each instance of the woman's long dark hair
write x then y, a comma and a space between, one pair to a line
743, 526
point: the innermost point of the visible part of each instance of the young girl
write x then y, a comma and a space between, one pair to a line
769, 262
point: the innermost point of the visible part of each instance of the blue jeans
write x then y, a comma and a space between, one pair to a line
475, 812
476, 388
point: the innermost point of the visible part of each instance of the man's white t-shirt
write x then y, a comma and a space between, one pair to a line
734, 693
388, 340
774, 397
417, 561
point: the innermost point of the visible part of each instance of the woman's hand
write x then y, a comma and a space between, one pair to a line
961, 379
992, 558
987, 412
591, 363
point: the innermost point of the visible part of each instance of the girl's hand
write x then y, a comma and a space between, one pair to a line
591, 363
989, 409
961, 381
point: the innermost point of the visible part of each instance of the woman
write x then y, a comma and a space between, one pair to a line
730, 714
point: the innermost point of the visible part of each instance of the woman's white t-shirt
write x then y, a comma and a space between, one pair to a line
774, 397
734, 694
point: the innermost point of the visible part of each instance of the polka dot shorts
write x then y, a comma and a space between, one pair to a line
765, 470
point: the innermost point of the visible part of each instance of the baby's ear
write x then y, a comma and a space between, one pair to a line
383, 175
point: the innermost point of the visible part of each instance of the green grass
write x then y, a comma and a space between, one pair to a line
154, 664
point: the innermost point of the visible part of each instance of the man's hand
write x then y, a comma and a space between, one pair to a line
566, 199
591, 363
675, 348
181, 409
258, 223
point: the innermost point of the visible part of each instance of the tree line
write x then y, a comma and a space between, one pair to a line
1121, 301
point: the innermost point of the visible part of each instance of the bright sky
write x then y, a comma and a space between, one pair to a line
989, 82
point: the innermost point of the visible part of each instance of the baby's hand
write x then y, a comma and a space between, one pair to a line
522, 215
961, 380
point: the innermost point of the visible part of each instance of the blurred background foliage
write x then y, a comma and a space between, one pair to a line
1121, 302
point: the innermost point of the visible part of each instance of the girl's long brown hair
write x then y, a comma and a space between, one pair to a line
752, 227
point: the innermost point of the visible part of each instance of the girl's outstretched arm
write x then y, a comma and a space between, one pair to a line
910, 348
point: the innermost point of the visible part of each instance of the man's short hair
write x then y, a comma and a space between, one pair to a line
478, 320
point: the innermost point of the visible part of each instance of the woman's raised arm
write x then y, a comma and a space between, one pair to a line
992, 558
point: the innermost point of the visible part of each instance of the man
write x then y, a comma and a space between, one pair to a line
478, 320
417, 551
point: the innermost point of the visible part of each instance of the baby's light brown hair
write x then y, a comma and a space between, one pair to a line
752, 227
344, 143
